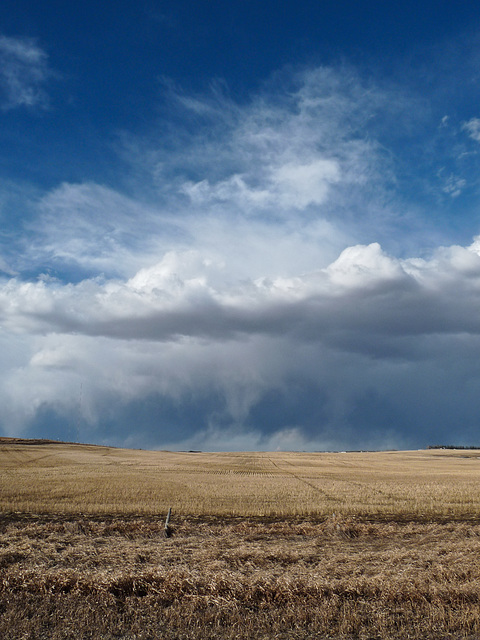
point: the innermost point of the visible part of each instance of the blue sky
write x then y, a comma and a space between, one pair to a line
243, 225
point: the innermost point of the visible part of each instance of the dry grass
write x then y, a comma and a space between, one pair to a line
256, 551
59, 478
118, 578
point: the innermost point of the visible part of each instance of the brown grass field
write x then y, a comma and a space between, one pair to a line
369, 545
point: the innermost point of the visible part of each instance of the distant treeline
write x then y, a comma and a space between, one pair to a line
449, 446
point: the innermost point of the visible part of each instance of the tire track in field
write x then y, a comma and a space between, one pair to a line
317, 489
24, 459
365, 486
329, 496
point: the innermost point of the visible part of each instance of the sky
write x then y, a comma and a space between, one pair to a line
244, 225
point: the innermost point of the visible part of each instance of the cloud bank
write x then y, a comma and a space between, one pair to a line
254, 285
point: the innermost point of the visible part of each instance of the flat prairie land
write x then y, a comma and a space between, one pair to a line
70, 478
263, 545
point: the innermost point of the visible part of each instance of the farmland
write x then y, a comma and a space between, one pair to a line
70, 478
263, 545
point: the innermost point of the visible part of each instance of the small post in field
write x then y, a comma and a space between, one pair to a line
167, 528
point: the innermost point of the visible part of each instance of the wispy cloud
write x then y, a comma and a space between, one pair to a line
473, 128
454, 185
93, 229
288, 148
23, 73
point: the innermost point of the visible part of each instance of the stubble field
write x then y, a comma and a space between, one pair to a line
263, 545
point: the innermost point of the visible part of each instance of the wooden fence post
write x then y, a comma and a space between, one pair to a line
167, 528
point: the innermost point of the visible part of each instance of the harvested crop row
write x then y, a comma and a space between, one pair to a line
65, 577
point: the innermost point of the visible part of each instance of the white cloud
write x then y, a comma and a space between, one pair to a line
454, 186
472, 127
299, 185
291, 186
364, 266
288, 153
23, 73
98, 230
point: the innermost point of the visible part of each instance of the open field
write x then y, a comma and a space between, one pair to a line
354, 545
70, 478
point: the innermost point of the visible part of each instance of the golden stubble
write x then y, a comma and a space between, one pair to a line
234, 578
61, 478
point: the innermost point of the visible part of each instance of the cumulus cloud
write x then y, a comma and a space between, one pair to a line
315, 355
23, 73
364, 290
